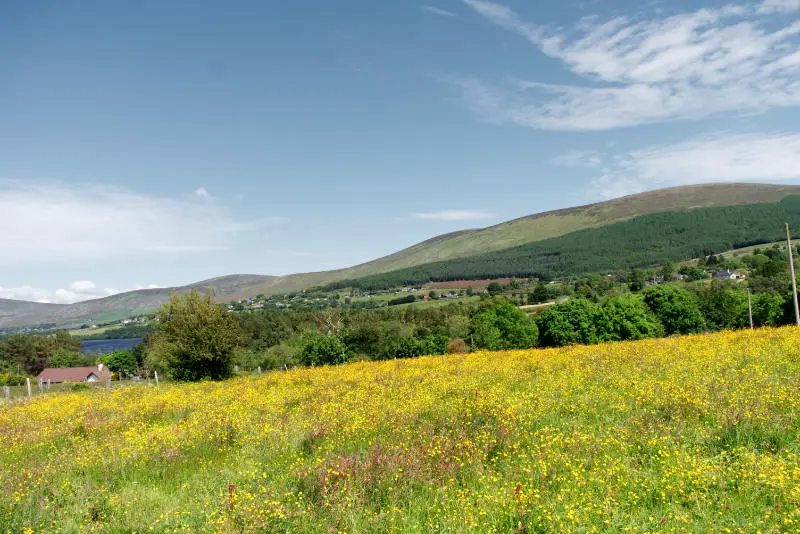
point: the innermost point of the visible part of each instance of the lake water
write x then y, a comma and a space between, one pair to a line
107, 346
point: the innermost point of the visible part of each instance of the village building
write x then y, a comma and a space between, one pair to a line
57, 375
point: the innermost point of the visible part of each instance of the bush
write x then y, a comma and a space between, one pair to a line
573, 322
323, 350
11, 379
80, 386
677, 309
457, 346
626, 317
503, 326
408, 299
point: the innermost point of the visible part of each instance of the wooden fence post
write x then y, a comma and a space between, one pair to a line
28, 382
48, 384
259, 369
7, 392
41, 386
156, 373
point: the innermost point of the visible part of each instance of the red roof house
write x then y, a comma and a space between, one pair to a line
74, 374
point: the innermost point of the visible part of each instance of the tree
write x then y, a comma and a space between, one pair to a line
470, 291
667, 271
637, 280
503, 326
120, 361
27, 354
723, 306
626, 317
540, 294
194, 338
494, 289
572, 322
677, 309
323, 350
68, 358
768, 309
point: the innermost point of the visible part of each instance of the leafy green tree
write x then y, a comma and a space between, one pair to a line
540, 294
194, 338
470, 291
494, 289
503, 326
120, 361
768, 308
677, 309
667, 271
626, 317
323, 350
693, 274
723, 306
26, 354
572, 322
68, 358
637, 280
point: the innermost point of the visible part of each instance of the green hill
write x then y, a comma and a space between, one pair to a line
562, 242
538, 227
643, 241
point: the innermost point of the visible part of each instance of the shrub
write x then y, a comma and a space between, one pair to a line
503, 326
323, 350
457, 346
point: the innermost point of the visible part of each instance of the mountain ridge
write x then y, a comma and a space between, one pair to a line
452, 245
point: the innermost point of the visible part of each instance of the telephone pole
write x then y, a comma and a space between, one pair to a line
750, 308
794, 281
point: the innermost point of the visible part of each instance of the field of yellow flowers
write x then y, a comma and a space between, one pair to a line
692, 434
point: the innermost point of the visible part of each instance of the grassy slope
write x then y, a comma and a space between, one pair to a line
539, 227
686, 434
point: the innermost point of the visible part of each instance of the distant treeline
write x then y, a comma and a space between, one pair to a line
640, 242
128, 331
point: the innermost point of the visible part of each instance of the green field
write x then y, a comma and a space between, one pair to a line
691, 434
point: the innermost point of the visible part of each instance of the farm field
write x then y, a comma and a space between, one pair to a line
690, 434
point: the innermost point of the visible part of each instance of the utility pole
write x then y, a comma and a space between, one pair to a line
750, 308
794, 281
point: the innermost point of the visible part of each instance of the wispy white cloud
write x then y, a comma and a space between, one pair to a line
454, 215
779, 6
579, 158
47, 223
694, 65
202, 192
76, 292
438, 11
726, 158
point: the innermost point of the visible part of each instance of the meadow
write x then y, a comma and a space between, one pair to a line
689, 434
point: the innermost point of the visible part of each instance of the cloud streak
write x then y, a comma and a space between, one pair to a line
78, 291
438, 11
47, 223
453, 215
709, 62
724, 158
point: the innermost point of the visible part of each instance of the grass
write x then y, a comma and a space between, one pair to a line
692, 434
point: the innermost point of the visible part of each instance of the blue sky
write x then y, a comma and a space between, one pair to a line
168, 142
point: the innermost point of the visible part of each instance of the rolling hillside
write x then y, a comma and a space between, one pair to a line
15, 313
485, 249
539, 227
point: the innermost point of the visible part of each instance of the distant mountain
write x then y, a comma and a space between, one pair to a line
14, 313
507, 240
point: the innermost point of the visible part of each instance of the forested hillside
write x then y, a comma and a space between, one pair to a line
639, 242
